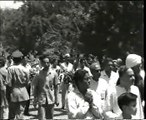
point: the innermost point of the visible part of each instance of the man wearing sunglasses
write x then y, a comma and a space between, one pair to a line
98, 84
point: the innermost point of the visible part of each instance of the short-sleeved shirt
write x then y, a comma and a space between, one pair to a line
18, 79
44, 84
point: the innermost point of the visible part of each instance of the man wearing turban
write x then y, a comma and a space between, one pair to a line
134, 61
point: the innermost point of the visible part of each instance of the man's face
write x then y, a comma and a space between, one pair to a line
66, 59
85, 84
128, 78
45, 63
131, 109
115, 66
96, 73
109, 66
55, 63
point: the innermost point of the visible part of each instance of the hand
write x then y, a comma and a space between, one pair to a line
88, 97
56, 103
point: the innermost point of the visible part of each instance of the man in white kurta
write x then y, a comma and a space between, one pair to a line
97, 83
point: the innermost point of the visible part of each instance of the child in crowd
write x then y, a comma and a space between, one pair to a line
127, 103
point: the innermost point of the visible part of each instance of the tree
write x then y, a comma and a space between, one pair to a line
115, 27
97, 27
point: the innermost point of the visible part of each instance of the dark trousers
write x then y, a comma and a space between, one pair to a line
16, 109
26, 111
46, 111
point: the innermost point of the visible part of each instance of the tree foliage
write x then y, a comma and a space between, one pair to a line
98, 27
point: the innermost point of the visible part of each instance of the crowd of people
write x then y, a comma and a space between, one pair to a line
90, 88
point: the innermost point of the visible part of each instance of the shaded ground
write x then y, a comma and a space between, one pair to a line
58, 112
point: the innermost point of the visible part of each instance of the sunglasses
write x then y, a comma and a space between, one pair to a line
98, 70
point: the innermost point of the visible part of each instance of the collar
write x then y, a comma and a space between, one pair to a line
125, 88
103, 72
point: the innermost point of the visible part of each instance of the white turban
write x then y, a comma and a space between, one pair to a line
67, 55
133, 60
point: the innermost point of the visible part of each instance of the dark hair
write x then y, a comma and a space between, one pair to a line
121, 72
42, 57
79, 76
106, 61
2, 61
126, 99
53, 60
82, 60
17, 60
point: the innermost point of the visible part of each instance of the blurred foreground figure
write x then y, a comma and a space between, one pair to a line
127, 103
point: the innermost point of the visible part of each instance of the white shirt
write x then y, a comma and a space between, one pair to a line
112, 108
112, 80
56, 69
100, 88
78, 108
68, 68
28, 67
142, 74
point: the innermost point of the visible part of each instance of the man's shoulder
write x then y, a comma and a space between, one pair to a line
103, 74
134, 89
72, 94
52, 71
91, 91
3, 69
58, 67
12, 67
62, 64
101, 80
86, 68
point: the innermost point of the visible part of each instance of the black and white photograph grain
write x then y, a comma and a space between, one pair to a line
72, 59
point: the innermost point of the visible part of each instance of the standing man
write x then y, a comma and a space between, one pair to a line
67, 69
108, 74
134, 61
97, 83
18, 79
46, 90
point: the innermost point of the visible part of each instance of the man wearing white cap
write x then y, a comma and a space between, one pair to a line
134, 61
67, 68
97, 83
